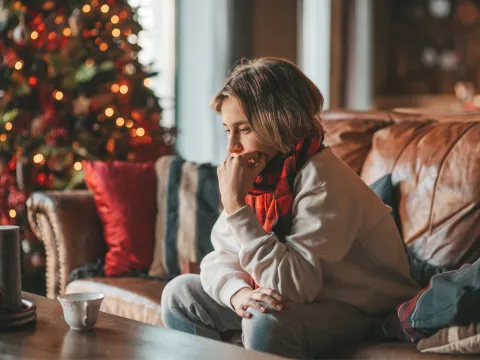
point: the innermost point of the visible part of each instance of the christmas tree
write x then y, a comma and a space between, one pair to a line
71, 88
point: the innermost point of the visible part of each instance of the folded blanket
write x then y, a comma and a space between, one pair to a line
451, 298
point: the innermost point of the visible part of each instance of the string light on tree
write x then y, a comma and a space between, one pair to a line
67, 32
109, 112
132, 39
17, 5
120, 122
77, 166
115, 19
130, 69
140, 131
111, 145
124, 89
19, 65
115, 88
86, 8
34, 35
3, 137
116, 32
129, 124
8, 126
38, 158
104, 47
105, 8
58, 95
12, 213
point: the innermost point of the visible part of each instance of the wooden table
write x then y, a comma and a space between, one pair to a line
114, 337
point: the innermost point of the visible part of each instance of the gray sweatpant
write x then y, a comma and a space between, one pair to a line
298, 331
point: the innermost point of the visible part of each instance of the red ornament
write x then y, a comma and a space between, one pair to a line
32, 81
12, 164
37, 20
41, 179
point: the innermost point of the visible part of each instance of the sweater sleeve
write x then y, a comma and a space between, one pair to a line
325, 224
221, 273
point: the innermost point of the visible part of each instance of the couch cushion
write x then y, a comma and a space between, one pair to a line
188, 205
386, 351
130, 297
437, 168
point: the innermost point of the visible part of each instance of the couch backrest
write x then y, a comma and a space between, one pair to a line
436, 166
351, 139
437, 169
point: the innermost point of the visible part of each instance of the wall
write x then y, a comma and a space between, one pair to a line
275, 28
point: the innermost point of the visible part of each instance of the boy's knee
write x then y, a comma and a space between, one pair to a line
180, 290
273, 332
261, 331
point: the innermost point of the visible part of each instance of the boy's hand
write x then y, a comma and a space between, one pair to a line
246, 297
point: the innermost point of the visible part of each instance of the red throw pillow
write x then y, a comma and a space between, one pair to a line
125, 196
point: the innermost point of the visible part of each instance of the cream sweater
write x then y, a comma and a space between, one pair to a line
343, 246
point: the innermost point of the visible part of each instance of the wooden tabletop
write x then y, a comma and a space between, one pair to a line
113, 337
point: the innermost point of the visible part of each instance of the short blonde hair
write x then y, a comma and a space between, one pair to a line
281, 104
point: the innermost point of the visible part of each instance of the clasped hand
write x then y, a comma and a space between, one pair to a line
236, 176
256, 299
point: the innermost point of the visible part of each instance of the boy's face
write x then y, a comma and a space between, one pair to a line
241, 138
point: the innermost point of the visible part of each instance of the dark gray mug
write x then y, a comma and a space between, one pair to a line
10, 276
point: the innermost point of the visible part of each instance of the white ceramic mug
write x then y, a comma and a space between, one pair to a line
80, 310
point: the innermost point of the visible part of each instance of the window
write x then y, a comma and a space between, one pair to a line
157, 18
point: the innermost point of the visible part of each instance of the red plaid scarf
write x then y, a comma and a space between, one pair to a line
271, 196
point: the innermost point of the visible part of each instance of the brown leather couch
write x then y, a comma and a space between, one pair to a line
435, 163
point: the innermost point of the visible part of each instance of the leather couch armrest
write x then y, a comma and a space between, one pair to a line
68, 224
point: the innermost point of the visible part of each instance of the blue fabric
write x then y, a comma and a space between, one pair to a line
171, 254
208, 199
385, 190
450, 299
